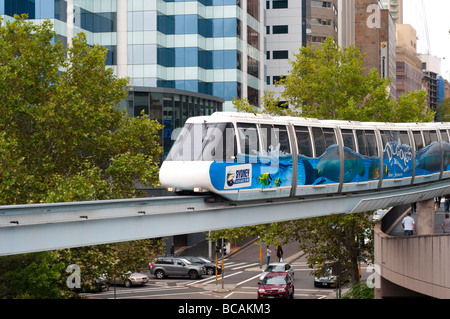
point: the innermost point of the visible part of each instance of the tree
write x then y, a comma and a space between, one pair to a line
443, 111
63, 135
329, 82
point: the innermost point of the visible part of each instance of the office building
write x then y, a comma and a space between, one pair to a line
183, 58
395, 7
293, 24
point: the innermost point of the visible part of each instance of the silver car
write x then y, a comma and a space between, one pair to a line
277, 267
131, 279
176, 266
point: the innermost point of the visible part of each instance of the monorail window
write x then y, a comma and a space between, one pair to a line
361, 140
418, 141
434, 136
248, 137
371, 143
272, 136
205, 142
404, 138
444, 136
349, 139
397, 137
303, 141
426, 137
330, 137
285, 146
319, 141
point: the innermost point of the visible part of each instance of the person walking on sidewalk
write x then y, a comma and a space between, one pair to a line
409, 225
280, 253
268, 252
446, 224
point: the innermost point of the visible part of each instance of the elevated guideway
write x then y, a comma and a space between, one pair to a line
40, 227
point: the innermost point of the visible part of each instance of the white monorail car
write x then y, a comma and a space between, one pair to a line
242, 156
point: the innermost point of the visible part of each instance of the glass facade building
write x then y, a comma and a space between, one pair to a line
183, 58
211, 47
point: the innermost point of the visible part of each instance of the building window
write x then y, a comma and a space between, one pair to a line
278, 55
280, 29
253, 67
277, 78
279, 4
252, 37
320, 4
317, 21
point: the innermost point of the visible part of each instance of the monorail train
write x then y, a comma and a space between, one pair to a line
243, 156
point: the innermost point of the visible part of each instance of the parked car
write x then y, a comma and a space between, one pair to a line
276, 285
176, 266
277, 267
100, 284
131, 279
208, 264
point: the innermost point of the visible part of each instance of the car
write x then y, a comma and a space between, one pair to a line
277, 267
100, 284
176, 266
208, 264
131, 279
279, 285
329, 279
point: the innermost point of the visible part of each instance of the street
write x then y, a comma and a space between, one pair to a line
240, 281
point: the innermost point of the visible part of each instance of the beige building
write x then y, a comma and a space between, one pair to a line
324, 20
409, 66
375, 36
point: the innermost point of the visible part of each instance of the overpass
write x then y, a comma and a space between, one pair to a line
40, 227
412, 266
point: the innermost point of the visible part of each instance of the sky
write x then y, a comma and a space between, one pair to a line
438, 22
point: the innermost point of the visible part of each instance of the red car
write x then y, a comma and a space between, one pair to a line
278, 285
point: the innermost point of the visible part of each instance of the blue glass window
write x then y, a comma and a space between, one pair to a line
19, 7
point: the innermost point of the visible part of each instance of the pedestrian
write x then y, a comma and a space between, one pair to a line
269, 252
172, 250
409, 225
413, 207
280, 253
447, 203
446, 224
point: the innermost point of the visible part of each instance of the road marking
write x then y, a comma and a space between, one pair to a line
243, 282
245, 266
219, 278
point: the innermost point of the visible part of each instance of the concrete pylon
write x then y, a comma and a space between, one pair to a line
425, 217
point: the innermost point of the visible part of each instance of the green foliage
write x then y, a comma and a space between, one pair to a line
359, 291
31, 276
63, 138
61, 124
443, 111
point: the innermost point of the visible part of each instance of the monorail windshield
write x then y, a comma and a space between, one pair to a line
205, 142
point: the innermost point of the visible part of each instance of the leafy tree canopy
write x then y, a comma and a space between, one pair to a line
64, 137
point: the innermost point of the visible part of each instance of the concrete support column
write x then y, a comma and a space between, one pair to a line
69, 22
122, 38
425, 217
